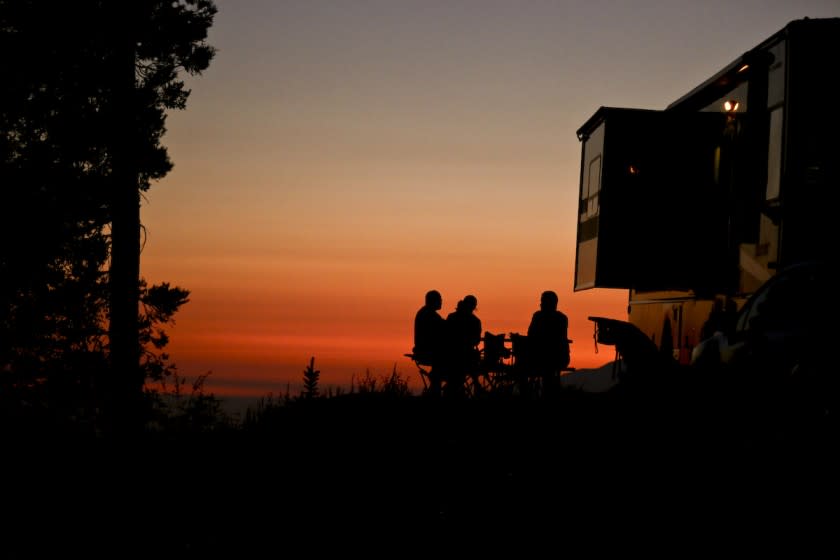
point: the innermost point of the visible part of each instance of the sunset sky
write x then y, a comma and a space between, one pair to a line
340, 158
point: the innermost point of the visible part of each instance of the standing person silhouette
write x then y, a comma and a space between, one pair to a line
463, 331
548, 341
429, 339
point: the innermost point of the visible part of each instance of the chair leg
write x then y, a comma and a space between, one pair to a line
424, 375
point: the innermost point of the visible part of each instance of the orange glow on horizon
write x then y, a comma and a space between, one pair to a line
256, 343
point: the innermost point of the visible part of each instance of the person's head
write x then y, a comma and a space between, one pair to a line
470, 302
434, 299
548, 301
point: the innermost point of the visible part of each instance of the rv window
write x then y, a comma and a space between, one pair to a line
592, 188
776, 75
774, 155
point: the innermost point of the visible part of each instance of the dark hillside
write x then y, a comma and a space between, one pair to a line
419, 472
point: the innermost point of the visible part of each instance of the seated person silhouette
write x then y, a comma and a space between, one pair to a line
548, 341
463, 333
429, 339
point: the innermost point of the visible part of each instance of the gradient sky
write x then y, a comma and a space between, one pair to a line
338, 159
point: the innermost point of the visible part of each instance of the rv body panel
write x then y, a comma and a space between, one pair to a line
639, 168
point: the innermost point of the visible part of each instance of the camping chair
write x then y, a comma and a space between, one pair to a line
520, 375
465, 369
529, 378
468, 375
424, 369
494, 369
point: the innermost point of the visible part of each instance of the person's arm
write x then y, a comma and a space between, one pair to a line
565, 323
532, 324
477, 333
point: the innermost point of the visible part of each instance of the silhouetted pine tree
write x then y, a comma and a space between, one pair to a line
310, 380
83, 105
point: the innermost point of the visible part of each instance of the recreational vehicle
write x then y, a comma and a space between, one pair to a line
694, 207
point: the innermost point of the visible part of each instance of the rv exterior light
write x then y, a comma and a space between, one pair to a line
744, 68
730, 106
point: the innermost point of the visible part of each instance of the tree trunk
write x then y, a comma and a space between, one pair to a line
126, 379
